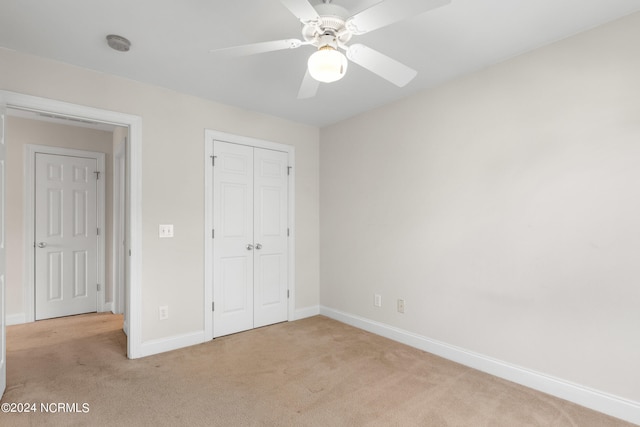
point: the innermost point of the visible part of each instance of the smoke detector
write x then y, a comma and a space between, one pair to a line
118, 43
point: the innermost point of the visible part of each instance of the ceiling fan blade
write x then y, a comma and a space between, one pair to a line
255, 48
302, 9
389, 12
309, 87
387, 68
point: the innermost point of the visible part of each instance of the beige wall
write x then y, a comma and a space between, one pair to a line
504, 207
19, 133
173, 127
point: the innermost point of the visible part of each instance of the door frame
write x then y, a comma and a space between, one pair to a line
119, 222
29, 192
134, 214
209, 137
3, 264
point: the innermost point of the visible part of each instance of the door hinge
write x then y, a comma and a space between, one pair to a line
213, 233
213, 160
289, 170
97, 174
287, 232
287, 293
98, 287
213, 306
97, 231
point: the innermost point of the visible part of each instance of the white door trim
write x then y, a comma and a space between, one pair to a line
134, 154
119, 177
3, 264
210, 136
30, 151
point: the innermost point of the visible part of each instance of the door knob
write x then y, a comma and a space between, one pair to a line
249, 246
258, 246
42, 245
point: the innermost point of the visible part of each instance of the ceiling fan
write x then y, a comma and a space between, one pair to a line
329, 28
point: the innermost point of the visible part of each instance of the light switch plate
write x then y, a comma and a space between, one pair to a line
165, 230
377, 300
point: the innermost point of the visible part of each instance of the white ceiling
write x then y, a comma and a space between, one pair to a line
171, 40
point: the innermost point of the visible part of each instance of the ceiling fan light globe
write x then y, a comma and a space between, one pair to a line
327, 65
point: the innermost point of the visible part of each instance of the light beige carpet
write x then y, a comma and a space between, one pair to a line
313, 372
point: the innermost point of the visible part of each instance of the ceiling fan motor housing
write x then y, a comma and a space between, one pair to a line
332, 23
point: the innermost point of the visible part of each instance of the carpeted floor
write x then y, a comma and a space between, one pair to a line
313, 372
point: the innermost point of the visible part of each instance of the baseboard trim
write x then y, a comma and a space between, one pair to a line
303, 313
593, 399
175, 342
15, 319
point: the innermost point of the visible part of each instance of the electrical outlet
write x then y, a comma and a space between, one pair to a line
165, 230
400, 305
163, 312
377, 300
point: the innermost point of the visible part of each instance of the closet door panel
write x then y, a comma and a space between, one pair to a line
233, 243
270, 236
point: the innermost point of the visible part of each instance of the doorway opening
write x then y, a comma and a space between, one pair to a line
129, 210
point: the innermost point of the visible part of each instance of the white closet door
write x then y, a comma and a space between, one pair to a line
250, 246
270, 237
233, 241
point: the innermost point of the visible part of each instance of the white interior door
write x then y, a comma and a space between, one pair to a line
66, 240
3, 332
233, 240
270, 236
250, 253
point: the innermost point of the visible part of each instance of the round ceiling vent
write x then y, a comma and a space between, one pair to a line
118, 43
